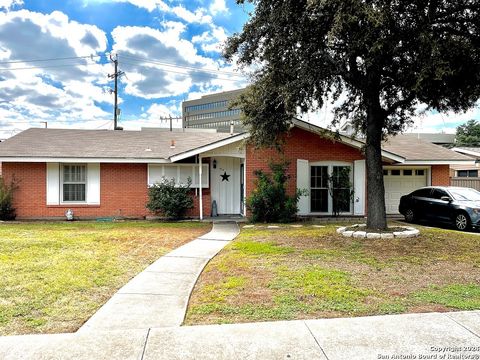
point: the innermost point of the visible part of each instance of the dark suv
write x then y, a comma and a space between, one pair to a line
453, 205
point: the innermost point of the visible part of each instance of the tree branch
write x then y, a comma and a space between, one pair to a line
405, 101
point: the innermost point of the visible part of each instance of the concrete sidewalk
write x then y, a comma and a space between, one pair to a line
412, 336
158, 296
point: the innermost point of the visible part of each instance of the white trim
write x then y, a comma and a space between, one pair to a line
203, 149
438, 162
245, 186
330, 165
85, 202
417, 167
93, 195
468, 152
359, 182
193, 167
84, 160
200, 187
53, 184
303, 183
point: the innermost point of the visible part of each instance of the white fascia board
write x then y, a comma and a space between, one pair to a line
84, 160
439, 162
467, 152
209, 147
345, 140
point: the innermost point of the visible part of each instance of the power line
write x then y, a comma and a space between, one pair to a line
51, 59
181, 66
47, 66
204, 75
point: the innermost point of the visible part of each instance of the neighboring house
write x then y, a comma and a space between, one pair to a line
213, 112
467, 170
100, 173
467, 175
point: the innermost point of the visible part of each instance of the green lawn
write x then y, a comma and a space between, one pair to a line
309, 272
55, 275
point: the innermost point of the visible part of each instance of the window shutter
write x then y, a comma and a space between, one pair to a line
93, 184
53, 184
359, 187
303, 183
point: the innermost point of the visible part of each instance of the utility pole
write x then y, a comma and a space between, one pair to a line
170, 119
115, 76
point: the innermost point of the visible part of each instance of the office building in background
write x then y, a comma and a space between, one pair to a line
212, 112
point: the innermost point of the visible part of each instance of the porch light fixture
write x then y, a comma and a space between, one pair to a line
214, 163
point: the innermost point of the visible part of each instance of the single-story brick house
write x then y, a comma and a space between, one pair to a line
100, 173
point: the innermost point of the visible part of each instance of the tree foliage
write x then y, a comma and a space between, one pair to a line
468, 134
386, 57
170, 199
269, 201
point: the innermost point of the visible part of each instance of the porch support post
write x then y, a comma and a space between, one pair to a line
200, 181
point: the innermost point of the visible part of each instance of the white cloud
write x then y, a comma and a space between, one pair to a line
211, 40
8, 4
149, 5
145, 54
217, 7
198, 16
443, 122
63, 91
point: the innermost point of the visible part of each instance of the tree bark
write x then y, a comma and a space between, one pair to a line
376, 215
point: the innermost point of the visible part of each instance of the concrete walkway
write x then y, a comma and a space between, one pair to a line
412, 336
158, 296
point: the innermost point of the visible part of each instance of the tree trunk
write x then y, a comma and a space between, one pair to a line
376, 215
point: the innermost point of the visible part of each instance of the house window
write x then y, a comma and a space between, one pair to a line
407, 172
341, 188
467, 173
395, 172
330, 188
74, 183
319, 189
420, 172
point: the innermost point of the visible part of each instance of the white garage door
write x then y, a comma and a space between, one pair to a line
399, 182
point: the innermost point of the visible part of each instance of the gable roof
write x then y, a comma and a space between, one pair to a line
153, 146
417, 150
470, 151
117, 146
405, 149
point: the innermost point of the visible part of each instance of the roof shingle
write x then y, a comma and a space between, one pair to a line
63, 143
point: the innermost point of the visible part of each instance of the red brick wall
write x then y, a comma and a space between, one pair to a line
300, 144
440, 175
123, 192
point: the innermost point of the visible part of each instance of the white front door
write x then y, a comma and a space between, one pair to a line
226, 186
399, 182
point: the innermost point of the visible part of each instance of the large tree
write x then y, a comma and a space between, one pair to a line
384, 56
468, 134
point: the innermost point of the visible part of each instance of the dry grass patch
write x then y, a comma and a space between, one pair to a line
297, 273
56, 275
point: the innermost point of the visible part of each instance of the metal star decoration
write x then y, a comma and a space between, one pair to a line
224, 176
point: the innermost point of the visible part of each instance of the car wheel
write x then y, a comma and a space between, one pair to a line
409, 215
462, 221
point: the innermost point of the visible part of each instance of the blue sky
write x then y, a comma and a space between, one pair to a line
170, 50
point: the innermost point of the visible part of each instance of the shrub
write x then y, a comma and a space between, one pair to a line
269, 201
170, 199
7, 211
